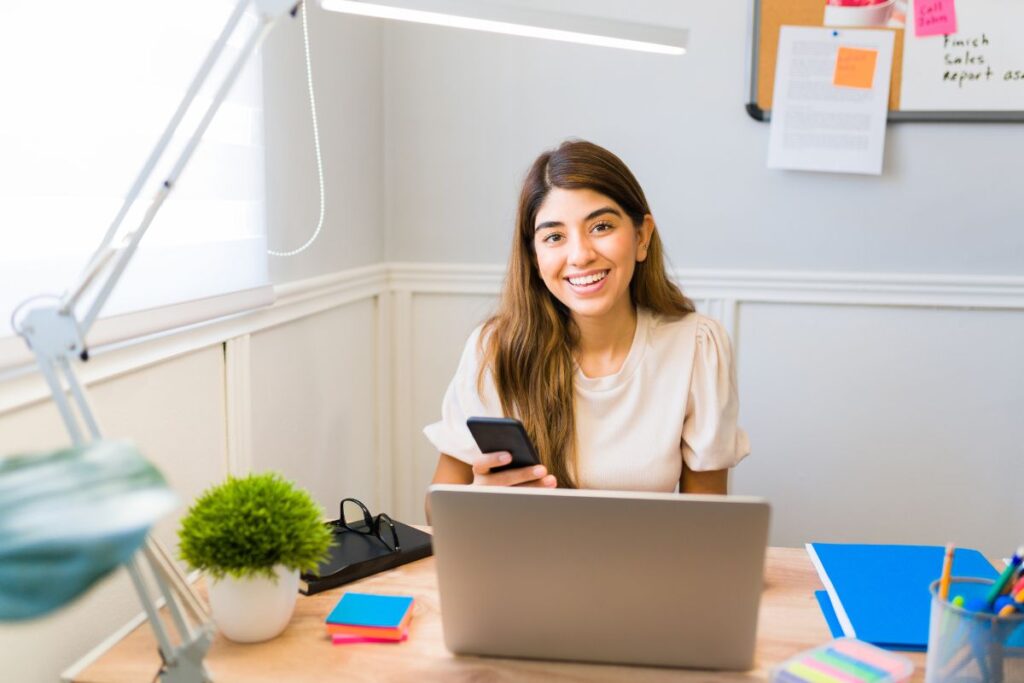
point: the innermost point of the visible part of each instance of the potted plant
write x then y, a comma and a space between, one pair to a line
252, 536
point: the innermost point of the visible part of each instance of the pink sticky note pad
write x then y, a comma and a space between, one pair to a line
344, 639
934, 17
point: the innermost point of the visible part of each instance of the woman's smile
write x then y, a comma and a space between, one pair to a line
588, 282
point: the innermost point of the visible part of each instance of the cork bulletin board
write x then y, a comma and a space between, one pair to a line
975, 74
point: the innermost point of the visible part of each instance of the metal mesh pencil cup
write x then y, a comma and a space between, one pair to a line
972, 647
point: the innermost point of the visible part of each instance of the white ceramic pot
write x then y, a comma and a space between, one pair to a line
254, 609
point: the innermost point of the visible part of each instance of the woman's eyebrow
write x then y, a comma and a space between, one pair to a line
590, 216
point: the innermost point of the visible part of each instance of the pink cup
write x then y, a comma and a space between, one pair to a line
858, 12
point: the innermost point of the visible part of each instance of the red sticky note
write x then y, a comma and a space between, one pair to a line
934, 17
855, 67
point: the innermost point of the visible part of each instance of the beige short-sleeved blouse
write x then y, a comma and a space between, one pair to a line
673, 399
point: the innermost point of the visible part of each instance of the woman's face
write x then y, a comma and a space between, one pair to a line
587, 249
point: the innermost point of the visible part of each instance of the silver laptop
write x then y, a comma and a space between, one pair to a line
657, 579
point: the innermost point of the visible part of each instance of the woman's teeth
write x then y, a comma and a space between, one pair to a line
588, 279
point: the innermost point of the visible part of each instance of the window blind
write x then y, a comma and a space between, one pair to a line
88, 88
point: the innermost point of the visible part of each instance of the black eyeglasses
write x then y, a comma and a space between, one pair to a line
356, 517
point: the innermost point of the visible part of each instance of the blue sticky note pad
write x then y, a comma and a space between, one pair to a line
367, 609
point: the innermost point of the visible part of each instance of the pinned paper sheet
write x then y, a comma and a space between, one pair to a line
934, 17
855, 67
831, 99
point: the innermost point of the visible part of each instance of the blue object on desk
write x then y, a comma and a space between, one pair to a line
834, 628
880, 592
367, 609
830, 614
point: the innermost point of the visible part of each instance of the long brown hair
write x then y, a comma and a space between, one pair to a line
528, 344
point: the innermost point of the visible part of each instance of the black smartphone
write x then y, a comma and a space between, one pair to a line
503, 434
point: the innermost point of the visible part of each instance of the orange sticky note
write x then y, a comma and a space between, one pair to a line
855, 67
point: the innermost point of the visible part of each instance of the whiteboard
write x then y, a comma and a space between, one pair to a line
981, 67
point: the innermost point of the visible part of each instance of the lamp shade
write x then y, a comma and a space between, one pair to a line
70, 517
519, 21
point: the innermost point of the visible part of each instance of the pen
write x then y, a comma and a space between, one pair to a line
947, 570
1014, 579
997, 587
1017, 587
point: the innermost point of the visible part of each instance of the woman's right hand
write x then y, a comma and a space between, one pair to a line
536, 475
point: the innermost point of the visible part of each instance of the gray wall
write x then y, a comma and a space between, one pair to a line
869, 423
348, 76
467, 113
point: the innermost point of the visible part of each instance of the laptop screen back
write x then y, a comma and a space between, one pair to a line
599, 576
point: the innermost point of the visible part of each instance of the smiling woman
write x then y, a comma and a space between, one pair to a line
619, 382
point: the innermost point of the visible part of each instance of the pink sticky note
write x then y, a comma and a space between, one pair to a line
934, 17
343, 638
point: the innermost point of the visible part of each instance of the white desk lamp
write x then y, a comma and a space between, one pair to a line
57, 336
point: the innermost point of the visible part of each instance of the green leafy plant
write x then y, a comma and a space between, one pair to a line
246, 526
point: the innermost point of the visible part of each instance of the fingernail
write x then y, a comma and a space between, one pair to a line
504, 458
538, 471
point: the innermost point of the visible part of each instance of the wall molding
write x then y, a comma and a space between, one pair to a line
760, 286
857, 288
718, 292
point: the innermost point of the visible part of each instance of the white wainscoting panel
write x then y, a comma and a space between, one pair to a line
885, 424
440, 326
314, 402
174, 411
238, 403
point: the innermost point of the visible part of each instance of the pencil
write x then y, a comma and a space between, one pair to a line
947, 570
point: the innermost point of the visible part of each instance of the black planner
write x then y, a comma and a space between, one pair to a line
355, 555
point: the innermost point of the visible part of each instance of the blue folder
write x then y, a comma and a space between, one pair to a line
880, 592
825, 604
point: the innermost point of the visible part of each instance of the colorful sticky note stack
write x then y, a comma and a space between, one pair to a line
370, 618
845, 660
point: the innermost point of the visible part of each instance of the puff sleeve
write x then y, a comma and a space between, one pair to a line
712, 439
462, 399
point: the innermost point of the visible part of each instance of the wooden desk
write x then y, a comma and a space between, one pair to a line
789, 622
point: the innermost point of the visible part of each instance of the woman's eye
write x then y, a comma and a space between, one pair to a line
552, 238
602, 227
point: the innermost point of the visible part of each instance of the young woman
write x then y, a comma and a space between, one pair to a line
619, 382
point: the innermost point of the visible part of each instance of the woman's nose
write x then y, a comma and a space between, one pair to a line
582, 252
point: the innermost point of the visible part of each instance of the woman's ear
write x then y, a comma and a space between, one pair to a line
643, 235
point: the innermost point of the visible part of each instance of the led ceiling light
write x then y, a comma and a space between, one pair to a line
517, 21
